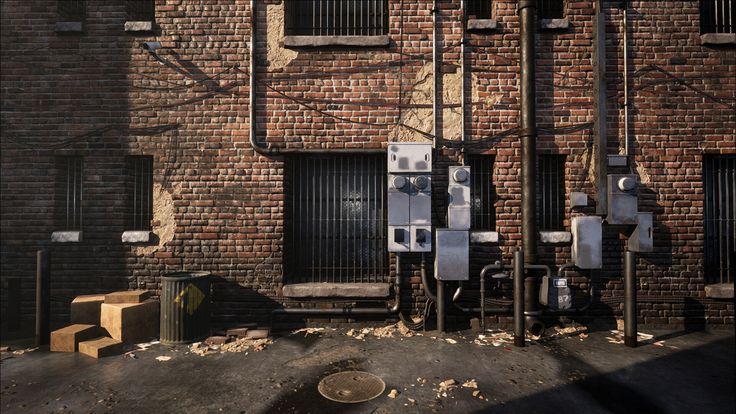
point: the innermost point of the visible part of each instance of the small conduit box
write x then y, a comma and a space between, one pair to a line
451, 260
642, 239
587, 242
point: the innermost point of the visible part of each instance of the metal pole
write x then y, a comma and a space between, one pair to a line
483, 300
42, 297
626, 78
462, 83
630, 329
519, 334
440, 306
599, 118
436, 67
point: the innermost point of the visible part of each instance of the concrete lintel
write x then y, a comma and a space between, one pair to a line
337, 290
69, 27
136, 236
555, 237
718, 39
482, 24
66, 237
719, 291
553, 24
484, 237
313, 41
140, 26
578, 199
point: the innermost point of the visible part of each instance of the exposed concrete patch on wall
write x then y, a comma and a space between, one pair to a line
164, 223
644, 177
278, 55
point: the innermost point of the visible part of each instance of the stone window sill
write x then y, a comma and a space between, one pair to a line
719, 291
69, 27
555, 237
138, 26
137, 236
718, 39
553, 24
482, 24
484, 237
66, 237
336, 290
316, 41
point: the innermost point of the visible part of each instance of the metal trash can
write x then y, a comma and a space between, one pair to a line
185, 307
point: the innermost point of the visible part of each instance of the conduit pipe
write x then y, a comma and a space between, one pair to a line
626, 78
630, 328
482, 308
462, 81
436, 68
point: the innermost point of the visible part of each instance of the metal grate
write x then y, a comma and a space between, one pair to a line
719, 182
482, 193
140, 176
70, 186
336, 17
336, 219
717, 16
140, 10
550, 192
71, 10
550, 9
478, 9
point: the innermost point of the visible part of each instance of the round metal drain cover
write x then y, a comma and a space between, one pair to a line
351, 387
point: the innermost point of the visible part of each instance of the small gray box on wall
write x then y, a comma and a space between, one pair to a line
622, 199
409, 157
587, 242
458, 198
451, 260
642, 239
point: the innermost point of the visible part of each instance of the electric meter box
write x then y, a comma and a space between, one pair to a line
452, 260
554, 293
458, 198
587, 242
642, 239
622, 199
409, 157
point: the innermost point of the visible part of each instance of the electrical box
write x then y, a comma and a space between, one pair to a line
555, 293
452, 260
642, 239
622, 199
587, 242
458, 198
409, 197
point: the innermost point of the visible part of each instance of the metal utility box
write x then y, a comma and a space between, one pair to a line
399, 238
622, 199
452, 260
458, 198
409, 157
554, 293
421, 239
642, 239
587, 242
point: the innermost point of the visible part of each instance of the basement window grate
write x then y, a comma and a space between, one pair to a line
550, 9
140, 192
69, 192
71, 10
140, 10
719, 182
482, 192
717, 16
336, 17
478, 9
335, 219
550, 192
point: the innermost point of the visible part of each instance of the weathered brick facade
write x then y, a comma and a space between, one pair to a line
219, 206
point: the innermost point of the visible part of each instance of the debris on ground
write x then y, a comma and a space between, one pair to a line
145, 345
238, 345
393, 394
5, 349
411, 401
495, 337
450, 341
308, 331
575, 375
479, 395
163, 358
618, 337
470, 384
421, 380
398, 329
583, 336
23, 351
217, 340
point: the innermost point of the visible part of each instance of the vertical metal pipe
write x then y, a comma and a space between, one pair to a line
462, 82
599, 119
440, 306
528, 130
483, 301
630, 329
519, 335
626, 77
42, 297
436, 67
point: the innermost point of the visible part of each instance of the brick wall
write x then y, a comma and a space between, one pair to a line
219, 205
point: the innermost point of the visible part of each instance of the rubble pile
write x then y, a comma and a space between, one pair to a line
236, 340
398, 329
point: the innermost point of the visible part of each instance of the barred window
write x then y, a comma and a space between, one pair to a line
478, 9
71, 10
140, 10
550, 9
140, 192
482, 193
550, 192
719, 186
336, 17
717, 16
69, 186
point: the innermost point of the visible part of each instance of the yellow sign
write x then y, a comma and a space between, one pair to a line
191, 297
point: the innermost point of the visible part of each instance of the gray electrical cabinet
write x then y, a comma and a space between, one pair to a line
587, 242
452, 260
642, 239
458, 198
409, 197
622, 199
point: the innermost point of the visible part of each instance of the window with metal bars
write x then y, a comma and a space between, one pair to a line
717, 16
140, 10
478, 9
550, 192
336, 17
482, 193
550, 9
719, 184
71, 10
336, 219
69, 185
140, 192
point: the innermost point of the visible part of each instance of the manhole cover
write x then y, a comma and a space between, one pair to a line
351, 387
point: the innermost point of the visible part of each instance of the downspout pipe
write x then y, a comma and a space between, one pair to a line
625, 5
599, 119
630, 322
519, 319
253, 128
463, 81
436, 68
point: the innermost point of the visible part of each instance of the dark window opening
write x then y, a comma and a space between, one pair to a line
140, 10
71, 10
140, 193
336, 17
69, 192
550, 192
717, 16
335, 219
478, 9
550, 9
482, 193
719, 182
